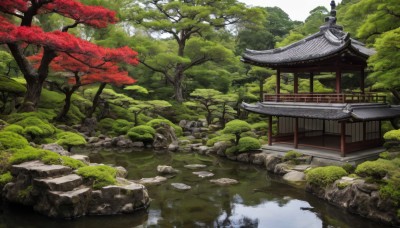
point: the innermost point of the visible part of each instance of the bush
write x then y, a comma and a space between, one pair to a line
236, 127
348, 167
10, 140
156, 123
70, 139
291, 155
121, 126
101, 175
392, 135
392, 188
248, 143
142, 133
105, 125
14, 128
35, 127
375, 169
323, 176
5, 178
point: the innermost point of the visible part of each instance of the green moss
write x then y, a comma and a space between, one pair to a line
121, 113
35, 127
142, 133
121, 126
392, 188
51, 100
70, 162
70, 139
343, 185
101, 175
24, 193
222, 138
5, 178
248, 143
14, 128
156, 123
291, 155
105, 125
11, 86
392, 135
4, 161
323, 176
10, 139
30, 153
374, 169
349, 168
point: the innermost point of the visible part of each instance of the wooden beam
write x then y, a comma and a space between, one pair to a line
362, 81
311, 82
278, 83
296, 133
269, 130
343, 139
338, 81
295, 83
364, 131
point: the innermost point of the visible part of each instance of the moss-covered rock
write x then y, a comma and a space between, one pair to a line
100, 175
11, 86
36, 128
248, 143
375, 169
70, 139
10, 140
221, 138
323, 176
142, 133
105, 125
156, 123
121, 126
14, 128
5, 178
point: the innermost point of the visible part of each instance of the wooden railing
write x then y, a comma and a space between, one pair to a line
326, 98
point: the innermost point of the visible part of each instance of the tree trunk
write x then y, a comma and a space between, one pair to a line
178, 91
32, 95
96, 99
396, 94
67, 104
237, 139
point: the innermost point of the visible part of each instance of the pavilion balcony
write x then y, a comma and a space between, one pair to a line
326, 98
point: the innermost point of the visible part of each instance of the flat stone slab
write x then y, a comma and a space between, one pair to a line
83, 158
294, 176
224, 181
181, 186
195, 166
301, 168
63, 183
203, 174
71, 194
152, 180
39, 169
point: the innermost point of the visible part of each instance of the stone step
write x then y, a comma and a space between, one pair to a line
39, 169
63, 183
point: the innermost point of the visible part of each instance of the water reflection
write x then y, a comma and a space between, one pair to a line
259, 200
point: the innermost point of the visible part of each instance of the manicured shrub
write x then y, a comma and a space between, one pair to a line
70, 139
248, 143
323, 176
142, 133
156, 123
392, 135
221, 138
5, 178
248, 134
35, 127
375, 169
101, 175
105, 125
236, 127
121, 126
14, 128
10, 139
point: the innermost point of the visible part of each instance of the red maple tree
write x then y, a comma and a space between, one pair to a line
54, 43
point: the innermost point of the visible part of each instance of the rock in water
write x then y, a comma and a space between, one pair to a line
181, 186
195, 166
224, 181
203, 174
165, 169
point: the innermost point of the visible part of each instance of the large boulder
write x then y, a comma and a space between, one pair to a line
55, 148
219, 148
294, 176
271, 161
165, 135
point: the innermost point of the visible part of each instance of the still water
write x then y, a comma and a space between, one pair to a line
259, 200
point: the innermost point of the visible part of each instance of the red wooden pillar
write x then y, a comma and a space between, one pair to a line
278, 83
311, 82
296, 133
364, 131
269, 130
343, 139
338, 81
295, 83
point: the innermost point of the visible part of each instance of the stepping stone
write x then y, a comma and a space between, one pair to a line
181, 186
301, 168
294, 176
195, 166
152, 180
203, 174
224, 181
165, 169
63, 183
38, 169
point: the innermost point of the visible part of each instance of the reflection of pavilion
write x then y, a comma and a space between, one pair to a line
336, 121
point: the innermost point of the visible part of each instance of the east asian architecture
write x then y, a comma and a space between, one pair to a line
340, 121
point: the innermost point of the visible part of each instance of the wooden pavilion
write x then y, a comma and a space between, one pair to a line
344, 122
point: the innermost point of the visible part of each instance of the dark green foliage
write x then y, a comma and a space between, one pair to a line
248, 143
70, 139
156, 123
121, 113
142, 133
121, 126
375, 169
11, 86
323, 176
10, 140
5, 178
35, 127
349, 168
392, 187
101, 175
236, 127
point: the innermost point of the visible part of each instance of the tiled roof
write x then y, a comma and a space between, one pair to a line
361, 111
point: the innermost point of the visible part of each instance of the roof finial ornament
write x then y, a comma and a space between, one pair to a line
330, 21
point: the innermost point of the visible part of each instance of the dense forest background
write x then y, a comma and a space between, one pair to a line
187, 64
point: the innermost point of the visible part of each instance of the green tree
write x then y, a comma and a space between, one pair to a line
188, 22
206, 99
237, 127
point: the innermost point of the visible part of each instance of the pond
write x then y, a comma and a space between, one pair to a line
260, 199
